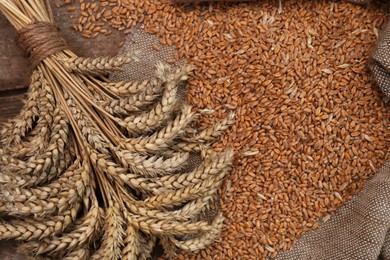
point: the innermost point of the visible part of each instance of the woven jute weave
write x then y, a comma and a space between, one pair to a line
358, 230
380, 64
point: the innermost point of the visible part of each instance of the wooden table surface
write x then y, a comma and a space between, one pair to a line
14, 67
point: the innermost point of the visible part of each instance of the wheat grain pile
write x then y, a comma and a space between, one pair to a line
311, 125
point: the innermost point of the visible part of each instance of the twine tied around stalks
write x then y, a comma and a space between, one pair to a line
40, 40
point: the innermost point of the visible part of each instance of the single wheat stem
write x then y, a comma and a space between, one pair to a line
125, 89
110, 248
132, 243
212, 133
96, 65
202, 241
151, 166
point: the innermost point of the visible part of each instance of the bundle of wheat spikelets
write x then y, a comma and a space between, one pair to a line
92, 169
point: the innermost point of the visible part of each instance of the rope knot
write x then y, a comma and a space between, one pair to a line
39, 40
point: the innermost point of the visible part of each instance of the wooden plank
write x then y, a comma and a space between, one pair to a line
14, 67
10, 106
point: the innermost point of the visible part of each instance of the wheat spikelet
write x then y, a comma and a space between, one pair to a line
125, 89
213, 165
212, 133
88, 130
137, 96
198, 243
170, 249
18, 127
194, 207
110, 248
78, 254
96, 65
168, 227
132, 244
152, 166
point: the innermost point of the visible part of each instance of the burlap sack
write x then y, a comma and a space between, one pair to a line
358, 230
380, 62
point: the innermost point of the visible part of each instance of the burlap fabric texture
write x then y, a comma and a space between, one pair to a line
380, 62
360, 230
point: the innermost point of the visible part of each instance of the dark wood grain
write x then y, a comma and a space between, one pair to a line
10, 106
